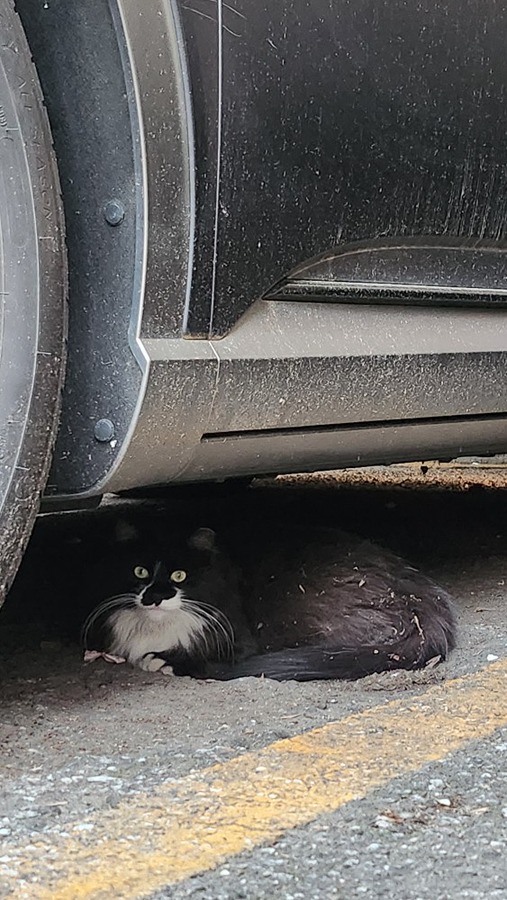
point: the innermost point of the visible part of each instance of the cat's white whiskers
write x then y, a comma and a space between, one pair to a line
197, 626
223, 623
201, 624
217, 624
210, 632
106, 606
95, 615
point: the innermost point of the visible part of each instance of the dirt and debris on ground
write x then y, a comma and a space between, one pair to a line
465, 474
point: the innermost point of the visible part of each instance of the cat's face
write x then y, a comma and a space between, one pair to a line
167, 599
158, 589
161, 579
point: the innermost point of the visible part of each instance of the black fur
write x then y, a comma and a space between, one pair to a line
318, 663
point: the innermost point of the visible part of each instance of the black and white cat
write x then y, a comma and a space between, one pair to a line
302, 605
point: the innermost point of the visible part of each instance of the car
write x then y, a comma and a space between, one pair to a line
242, 238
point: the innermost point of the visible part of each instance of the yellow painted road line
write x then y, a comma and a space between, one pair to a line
195, 823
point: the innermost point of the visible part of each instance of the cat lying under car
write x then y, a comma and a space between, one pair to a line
310, 604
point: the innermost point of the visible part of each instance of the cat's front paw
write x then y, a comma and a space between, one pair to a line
92, 655
150, 662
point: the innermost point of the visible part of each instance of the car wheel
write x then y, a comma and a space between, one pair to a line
33, 281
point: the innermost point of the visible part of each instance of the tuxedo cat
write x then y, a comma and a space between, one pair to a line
300, 604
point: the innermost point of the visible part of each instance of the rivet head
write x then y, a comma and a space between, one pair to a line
104, 430
114, 212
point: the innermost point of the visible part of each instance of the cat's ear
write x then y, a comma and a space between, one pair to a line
203, 539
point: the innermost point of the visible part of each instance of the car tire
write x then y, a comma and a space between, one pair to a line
33, 288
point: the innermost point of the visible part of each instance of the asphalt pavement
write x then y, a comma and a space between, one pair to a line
116, 783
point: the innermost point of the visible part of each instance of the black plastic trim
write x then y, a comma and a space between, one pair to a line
391, 295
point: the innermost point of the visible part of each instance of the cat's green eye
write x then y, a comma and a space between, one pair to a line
141, 573
178, 576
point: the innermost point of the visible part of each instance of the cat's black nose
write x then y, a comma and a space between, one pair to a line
149, 600
154, 597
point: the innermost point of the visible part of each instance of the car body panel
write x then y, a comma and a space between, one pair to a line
286, 226
346, 122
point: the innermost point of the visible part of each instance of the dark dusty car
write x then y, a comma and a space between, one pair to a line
282, 227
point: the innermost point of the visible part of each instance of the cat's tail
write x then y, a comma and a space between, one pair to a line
422, 646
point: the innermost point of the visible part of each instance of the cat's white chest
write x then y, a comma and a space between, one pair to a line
139, 631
